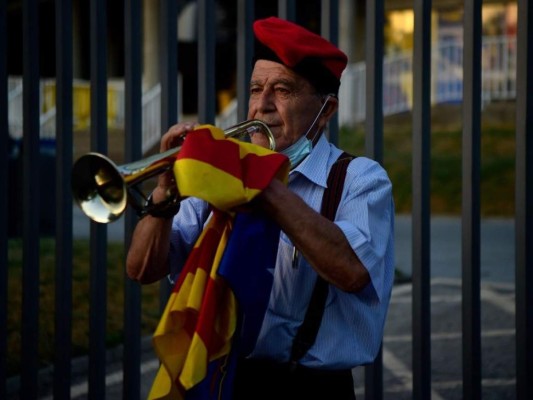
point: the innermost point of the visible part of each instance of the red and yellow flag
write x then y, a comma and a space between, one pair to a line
225, 172
200, 317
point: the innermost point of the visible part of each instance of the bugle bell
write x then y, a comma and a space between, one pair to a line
103, 190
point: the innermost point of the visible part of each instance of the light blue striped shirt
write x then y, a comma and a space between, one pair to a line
352, 325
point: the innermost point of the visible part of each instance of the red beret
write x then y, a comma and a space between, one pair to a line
301, 50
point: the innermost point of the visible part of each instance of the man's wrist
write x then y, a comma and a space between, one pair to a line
162, 203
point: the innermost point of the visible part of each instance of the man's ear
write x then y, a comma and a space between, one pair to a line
331, 106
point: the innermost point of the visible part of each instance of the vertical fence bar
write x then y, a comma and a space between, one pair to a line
4, 188
131, 385
98, 245
245, 44
169, 89
374, 141
471, 253
63, 250
168, 63
330, 30
374, 80
206, 61
421, 210
524, 201
30, 233
287, 9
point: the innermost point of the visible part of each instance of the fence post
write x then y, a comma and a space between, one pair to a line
98, 235
471, 253
4, 188
524, 200
131, 385
31, 196
420, 208
375, 15
63, 225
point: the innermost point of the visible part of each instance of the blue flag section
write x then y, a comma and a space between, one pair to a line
248, 266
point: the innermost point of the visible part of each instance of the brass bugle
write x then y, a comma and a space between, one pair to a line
103, 190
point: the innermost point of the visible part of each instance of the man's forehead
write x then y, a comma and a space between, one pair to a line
272, 72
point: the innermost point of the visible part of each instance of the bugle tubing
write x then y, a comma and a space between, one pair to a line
103, 190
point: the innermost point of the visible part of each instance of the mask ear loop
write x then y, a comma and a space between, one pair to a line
320, 112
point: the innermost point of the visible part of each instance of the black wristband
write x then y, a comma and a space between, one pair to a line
165, 209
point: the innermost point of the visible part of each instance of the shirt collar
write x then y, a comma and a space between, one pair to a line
313, 167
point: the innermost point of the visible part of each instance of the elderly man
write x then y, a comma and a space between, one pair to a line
293, 89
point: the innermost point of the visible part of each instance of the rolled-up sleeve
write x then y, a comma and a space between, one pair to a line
186, 228
366, 216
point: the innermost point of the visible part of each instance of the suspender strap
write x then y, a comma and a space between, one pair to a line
306, 335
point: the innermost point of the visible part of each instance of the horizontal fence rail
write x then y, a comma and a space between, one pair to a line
498, 83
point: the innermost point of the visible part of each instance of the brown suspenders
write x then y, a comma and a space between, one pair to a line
306, 335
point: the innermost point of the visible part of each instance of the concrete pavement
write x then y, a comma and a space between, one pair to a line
498, 375
497, 245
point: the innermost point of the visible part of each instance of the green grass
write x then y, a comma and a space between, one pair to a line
80, 299
497, 199
496, 170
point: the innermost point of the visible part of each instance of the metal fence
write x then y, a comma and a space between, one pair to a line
421, 89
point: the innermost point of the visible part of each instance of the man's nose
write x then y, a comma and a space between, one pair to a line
265, 101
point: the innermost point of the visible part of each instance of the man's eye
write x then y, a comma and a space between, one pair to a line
255, 90
282, 90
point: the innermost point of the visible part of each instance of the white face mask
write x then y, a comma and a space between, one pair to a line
303, 146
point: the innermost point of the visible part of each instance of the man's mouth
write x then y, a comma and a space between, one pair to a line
273, 126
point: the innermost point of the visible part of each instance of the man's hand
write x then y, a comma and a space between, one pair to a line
174, 137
